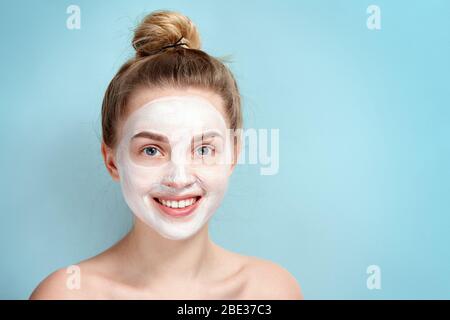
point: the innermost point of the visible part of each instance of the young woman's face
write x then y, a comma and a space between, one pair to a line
174, 157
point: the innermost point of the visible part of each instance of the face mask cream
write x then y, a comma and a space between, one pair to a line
174, 160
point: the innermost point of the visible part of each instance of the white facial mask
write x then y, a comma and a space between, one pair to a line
174, 168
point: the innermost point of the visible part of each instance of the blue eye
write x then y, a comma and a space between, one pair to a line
151, 151
205, 150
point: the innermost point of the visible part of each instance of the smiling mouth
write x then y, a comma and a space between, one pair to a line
178, 207
178, 204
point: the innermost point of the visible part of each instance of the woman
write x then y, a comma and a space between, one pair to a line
170, 123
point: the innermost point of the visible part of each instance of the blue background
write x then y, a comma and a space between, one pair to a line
364, 139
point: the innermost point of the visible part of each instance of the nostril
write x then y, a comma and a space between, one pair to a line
178, 184
175, 185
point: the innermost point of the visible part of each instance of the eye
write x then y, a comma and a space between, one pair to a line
151, 151
205, 151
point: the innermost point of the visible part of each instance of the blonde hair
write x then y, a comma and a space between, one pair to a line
179, 66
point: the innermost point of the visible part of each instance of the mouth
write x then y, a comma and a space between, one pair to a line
178, 206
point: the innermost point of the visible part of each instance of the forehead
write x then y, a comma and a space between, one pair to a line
143, 95
176, 115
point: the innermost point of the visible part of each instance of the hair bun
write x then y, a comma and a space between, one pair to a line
163, 28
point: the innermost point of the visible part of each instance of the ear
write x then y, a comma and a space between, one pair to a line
110, 162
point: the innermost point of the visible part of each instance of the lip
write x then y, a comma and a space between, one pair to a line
178, 212
179, 198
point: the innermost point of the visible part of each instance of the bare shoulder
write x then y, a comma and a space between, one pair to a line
269, 280
56, 286
75, 282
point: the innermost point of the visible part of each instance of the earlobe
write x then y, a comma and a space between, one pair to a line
110, 163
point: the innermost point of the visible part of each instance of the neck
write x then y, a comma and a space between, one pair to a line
150, 253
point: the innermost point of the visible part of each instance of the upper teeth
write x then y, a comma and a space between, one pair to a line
177, 204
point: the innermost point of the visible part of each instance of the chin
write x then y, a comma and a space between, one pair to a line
175, 229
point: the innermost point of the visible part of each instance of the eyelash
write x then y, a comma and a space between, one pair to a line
212, 148
148, 147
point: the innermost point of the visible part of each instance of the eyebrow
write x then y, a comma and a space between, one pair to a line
207, 135
161, 138
152, 136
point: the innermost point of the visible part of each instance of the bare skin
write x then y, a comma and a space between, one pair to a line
145, 265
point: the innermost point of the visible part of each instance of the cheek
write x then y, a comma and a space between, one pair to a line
214, 178
140, 179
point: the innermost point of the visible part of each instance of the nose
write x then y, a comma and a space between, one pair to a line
178, 177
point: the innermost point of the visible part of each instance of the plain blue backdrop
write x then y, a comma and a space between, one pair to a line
364, 139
